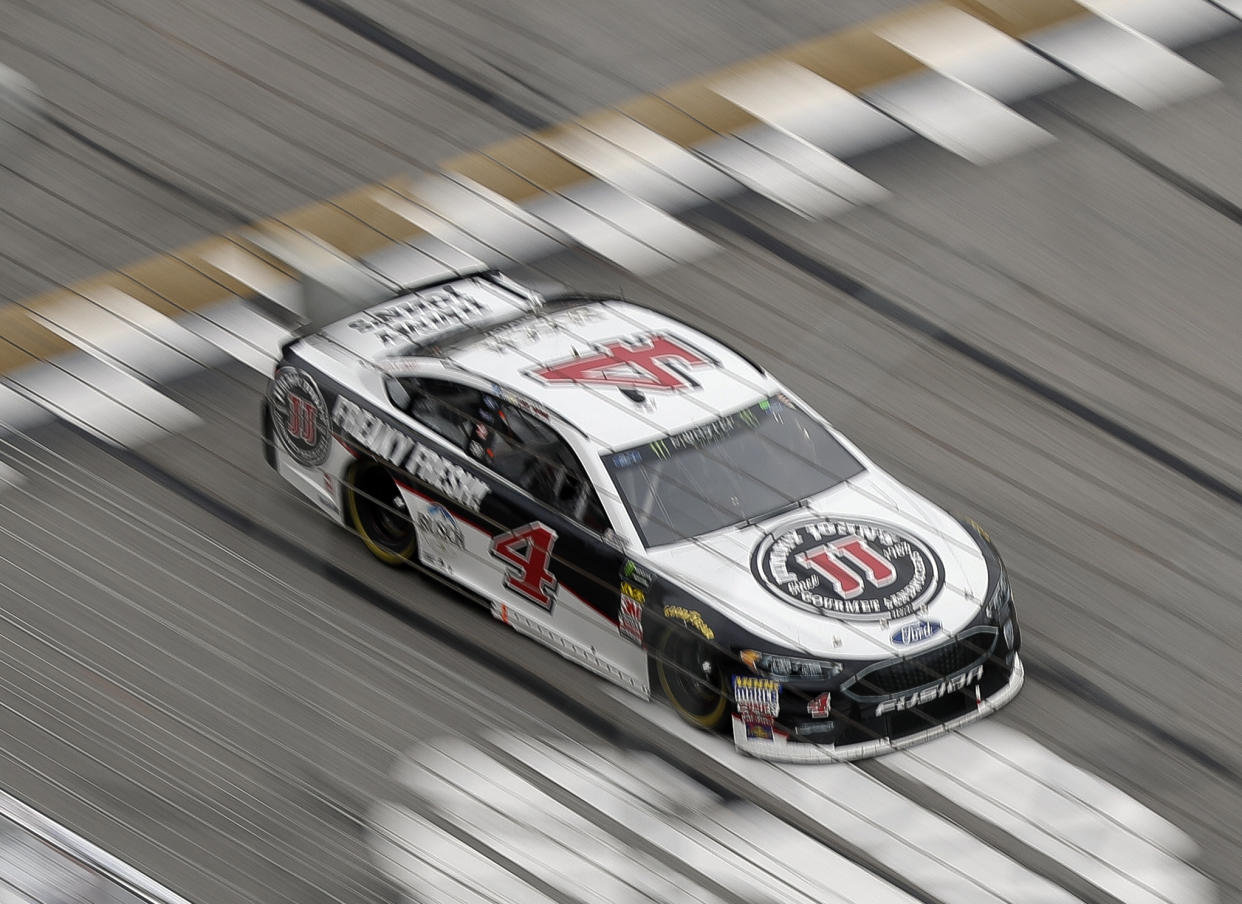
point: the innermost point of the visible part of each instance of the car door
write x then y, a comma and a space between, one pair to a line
563, 579
537, 550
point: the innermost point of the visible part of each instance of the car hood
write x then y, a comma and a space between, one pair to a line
842, 575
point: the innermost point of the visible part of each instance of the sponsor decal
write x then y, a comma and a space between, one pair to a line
300, 417
532, 330
916, 632
637, 593
820, 707
630, 619
757, 700
848, 568
984, 534
527, 550
691, 618
437, 523
757, 731
815, 728
521, 402
408, 454
931, 692
654, 362
634, 573
412, 319
558, 641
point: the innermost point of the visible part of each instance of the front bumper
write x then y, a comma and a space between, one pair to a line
780, 748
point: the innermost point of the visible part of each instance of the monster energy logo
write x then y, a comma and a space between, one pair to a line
660, 448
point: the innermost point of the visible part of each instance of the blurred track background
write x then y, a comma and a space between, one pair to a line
204, 676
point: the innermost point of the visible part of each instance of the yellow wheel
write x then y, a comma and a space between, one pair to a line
378, 513
689, 670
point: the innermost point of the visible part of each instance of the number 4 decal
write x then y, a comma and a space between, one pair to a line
527, 550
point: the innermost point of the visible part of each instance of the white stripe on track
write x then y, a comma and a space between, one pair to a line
1120, 60
958, 117
960, 47
932, 853
693, 847
121, 330
1074, 817
240, 331
793, 99
639, 162
104, 401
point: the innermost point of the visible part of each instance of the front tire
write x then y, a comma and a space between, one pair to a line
378, 513
693, 678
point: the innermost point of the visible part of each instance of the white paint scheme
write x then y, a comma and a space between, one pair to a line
571, 628
595, 419
717, 565
489, 303
610, 419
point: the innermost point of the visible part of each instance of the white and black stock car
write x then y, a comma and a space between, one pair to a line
654, 506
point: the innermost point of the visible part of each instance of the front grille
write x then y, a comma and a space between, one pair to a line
901, 676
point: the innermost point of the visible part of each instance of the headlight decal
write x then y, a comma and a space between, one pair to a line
789, 667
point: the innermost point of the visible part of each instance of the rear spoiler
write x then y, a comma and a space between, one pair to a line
330, 284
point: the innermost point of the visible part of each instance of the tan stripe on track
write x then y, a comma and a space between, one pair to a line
519, 169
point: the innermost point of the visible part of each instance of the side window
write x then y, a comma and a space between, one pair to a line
516, 446
448, 408
549, 470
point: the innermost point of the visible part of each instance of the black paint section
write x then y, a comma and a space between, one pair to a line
381, 36
892, 310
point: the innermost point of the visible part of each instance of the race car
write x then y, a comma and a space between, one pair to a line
653, 505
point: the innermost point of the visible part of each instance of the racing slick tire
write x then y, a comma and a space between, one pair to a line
693, 677
378, 513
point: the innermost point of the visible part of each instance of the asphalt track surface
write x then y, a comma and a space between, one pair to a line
216, 681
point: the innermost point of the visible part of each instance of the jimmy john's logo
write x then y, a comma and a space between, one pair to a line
299, 417
848, 568
407, 454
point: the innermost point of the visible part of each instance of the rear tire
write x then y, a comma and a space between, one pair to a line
693, 678
378, 513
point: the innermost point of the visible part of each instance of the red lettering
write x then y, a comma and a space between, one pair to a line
650, 364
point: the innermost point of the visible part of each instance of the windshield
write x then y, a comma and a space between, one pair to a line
742, 466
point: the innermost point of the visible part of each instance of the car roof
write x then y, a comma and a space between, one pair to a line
545, 356
544, 350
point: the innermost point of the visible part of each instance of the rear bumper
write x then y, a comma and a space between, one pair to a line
780, 748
